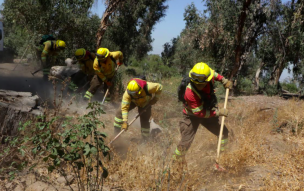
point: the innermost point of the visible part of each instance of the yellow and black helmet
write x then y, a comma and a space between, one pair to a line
80, 53
102, 53
133, 88
201, 73
60, 44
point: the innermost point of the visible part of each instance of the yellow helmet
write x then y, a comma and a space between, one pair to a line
60, 44
201, 73
80, 53
102, 53
133, 88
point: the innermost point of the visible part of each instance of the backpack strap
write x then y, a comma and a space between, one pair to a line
52, 45
146, 90
212, 101
113, 59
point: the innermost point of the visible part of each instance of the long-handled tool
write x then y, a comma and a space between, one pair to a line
109, 87
217, 166
139, 114
33, 73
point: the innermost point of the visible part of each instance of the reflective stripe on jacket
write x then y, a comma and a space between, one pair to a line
106, 69
194, 104
142, 101
49, 48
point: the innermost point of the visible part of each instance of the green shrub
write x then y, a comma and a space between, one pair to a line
246, 86
271, 90
64, 143
290, 86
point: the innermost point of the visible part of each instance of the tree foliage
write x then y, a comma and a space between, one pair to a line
70, 21
123, 26
131, 26
169, 51
249, 39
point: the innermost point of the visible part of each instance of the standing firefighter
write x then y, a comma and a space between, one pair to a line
104, 65
139, 93
200, 107
85, 60
47, 49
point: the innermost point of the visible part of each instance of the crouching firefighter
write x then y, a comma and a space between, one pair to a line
85, 61
138, 94
200, 107
104, 65
48, 49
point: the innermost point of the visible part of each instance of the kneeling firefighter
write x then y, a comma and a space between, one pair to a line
138, 94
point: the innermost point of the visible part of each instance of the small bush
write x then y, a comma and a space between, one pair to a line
290, 86
130, 72
246, 86
66, 145
271, 90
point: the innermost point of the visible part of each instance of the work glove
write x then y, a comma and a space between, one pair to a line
227, 83
153, 101
109, 84
222, 112
124, 126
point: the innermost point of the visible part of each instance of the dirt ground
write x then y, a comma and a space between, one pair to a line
252, 159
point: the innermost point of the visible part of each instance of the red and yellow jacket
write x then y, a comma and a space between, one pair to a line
194, 105
106, 69
86, 64
143, 100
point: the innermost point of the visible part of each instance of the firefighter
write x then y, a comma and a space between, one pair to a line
104, 65
85, 61
138, 94
200, 107
50, 48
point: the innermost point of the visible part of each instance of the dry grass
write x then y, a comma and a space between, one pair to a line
265, 149
257, 158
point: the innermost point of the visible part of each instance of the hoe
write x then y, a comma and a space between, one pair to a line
217, 166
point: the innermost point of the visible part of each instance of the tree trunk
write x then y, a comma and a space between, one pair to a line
257, 76
104, 23
276, 73
15, 108
238, 39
